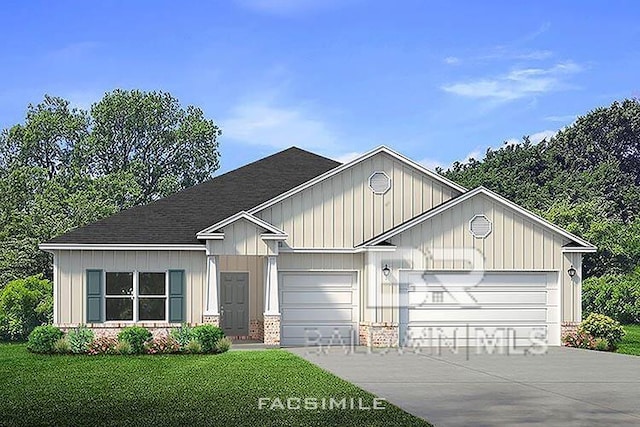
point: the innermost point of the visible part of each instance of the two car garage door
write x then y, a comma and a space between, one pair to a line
475, 310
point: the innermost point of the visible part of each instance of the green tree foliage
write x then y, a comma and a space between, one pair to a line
166, 147
586, 179
25, 304
63, 167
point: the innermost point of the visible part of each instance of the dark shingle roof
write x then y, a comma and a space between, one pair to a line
176, 219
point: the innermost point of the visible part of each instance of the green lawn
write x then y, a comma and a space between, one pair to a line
631, 341
175, 390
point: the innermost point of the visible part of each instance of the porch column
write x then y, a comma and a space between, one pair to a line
212, 309
271, 303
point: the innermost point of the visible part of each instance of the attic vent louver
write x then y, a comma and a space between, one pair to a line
480, 226
379, 182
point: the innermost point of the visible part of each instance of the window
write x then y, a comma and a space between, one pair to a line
437, 296
480, 226
139, 296
379, 182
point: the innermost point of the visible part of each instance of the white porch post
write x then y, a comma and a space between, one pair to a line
212, 308
271, 304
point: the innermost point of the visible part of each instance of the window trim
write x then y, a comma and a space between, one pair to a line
136, 297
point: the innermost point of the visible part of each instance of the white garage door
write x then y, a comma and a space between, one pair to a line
489, 309
318, 308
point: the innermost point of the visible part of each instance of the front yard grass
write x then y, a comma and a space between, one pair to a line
175, 390
631, 342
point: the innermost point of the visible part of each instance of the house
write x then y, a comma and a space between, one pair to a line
296, 248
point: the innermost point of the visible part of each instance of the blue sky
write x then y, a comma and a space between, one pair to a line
437, 81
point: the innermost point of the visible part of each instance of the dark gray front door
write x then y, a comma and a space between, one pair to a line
234, 297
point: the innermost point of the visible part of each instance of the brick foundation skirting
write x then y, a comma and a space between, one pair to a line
256, 330
568, 328
113, 329
211, 319
272, 329
378, 334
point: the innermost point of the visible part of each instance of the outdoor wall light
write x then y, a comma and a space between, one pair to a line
571, 271
386, 270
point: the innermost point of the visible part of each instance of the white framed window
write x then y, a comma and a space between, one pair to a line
379, 182
137, 296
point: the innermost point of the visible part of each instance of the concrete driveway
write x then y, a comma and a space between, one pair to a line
562, 387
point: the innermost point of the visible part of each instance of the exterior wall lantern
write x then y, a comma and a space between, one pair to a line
386, 270
571, 271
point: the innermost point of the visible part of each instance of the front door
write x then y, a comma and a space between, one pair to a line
234, 307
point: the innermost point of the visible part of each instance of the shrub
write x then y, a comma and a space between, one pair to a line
193, 347
43, 339
62, 346
79, 339
223, 345
136, 336
602, 344
103, 345
25, 304
162, 345
616, 296
601, 326
208, 336
183, 335
579, 339
123, 348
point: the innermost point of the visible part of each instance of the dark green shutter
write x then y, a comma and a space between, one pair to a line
176, 296
95, 296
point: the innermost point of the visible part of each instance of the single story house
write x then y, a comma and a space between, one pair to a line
298, 249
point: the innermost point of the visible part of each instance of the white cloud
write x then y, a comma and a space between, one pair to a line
563, 119
73, 51
347, 157
536, 55
432, 164
539, 136
287, 7
451, 60
262, 123
518, 83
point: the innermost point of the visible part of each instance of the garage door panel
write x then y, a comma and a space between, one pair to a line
310, 315
486, 280
293, 297
421, 297
433, 335
504, 315
321, 334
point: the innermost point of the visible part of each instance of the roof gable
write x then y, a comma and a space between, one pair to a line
175, 220
242, 215
583, 245
382, 149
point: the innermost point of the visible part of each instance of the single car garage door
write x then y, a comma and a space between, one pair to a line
458, 309
318, 307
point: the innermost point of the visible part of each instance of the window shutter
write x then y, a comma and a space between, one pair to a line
176, 296
95, 296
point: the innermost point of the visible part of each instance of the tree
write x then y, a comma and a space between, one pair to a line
166, 147
46, 140
64, 168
